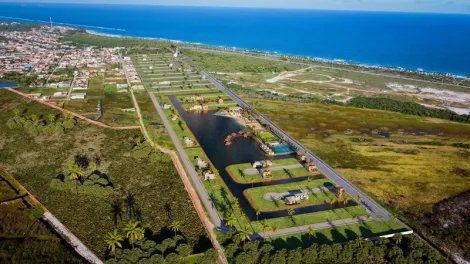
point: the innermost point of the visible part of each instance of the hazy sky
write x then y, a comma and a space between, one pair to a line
440, 6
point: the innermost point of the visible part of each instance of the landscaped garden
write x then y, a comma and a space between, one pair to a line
269, 198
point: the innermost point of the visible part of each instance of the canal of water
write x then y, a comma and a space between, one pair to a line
210, 130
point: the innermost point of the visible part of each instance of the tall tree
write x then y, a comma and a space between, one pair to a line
175, 226
244, 235
311, 232
133, 232
230, 220
75, 172
113, 240
258, 212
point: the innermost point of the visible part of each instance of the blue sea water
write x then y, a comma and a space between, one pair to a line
432, 42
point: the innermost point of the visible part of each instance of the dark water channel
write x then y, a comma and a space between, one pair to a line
210, 130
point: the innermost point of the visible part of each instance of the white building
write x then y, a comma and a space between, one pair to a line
296, 198
77, 96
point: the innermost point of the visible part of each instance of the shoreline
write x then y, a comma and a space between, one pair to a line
293, 56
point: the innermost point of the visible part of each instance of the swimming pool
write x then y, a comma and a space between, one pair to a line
282, 149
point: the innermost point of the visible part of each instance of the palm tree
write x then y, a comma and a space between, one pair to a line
359, 241
116, 210
34, 117
291, 212
359, 198
92, 166
16, 111
354, 217
230, 220
397, 239
311, 232
368, 216
114, 240
265, 226
133, 232
75, 173
332, 201
130, 202
138, 140
244, 235
393, 218
345, 200
274, 229
175, 226
51, 117
258, 212
308, 181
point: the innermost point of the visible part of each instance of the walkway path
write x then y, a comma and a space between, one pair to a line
253, 171
305, 228
179, 167
273, 196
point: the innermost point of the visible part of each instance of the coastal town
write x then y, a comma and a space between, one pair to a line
208, 149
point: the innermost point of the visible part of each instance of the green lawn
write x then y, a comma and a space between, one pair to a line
266, 136
256, 195
337, 235
236, 171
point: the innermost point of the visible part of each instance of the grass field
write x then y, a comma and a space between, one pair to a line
336, 235
159, 193
257, 194
406, 161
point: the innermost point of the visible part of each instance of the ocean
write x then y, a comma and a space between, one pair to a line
431, 42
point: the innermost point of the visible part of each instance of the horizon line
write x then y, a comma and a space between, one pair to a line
245, 7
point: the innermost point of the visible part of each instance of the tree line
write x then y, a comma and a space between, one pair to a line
399, 249
407, 108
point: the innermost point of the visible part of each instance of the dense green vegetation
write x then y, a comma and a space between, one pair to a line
407, 108
18, 27
31, 251
35, 125
407, 249
168, 247
150, 192
81, 38
18, 78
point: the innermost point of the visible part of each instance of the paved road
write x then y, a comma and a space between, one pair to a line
318, 226
377, 211
213, 213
